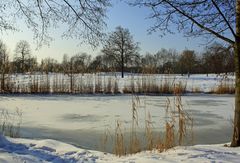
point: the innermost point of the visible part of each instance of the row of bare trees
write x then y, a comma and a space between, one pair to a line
216, 58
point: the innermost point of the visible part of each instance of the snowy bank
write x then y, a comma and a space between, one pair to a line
28, 151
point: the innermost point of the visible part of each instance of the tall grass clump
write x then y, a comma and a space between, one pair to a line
59, 84
106, 138
149, 132
90, 83
44, 84
34, 84
179, 88
10, 123
112, 86
129, 87
98, 84
116, 87
108, 89
119, 147
134, 145
151, 84
226, 86
177, 129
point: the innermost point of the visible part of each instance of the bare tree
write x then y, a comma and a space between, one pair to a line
149, 63
83, 19
218, 58
220, 19
187, 61
81, 62
65, 64
22, 55
97, 64
166, 60
121, 47
4, 64
49, 65
31, 64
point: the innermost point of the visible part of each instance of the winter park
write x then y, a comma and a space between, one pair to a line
145, 81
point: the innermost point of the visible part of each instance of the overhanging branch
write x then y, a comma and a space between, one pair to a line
199, 24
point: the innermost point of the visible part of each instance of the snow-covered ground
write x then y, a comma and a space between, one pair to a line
29, 151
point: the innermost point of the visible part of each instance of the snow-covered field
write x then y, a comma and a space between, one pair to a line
81, 120
29, 151
62, 83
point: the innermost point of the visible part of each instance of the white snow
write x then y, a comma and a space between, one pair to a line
202, 82
75, 114
29, 151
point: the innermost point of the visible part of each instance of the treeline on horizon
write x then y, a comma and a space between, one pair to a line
216, 58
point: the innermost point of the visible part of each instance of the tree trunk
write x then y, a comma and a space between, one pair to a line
122, 57
71, 77
23, 64
236, 131
3, 82
71, 83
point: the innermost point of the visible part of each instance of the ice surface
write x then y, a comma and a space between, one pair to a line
82, 120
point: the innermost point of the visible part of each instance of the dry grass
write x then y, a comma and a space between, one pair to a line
178, 129
169, 141
108, 88
178, 126
98, 84
147, 84
119, 148
150, 84
107, 137
130, 88
134, 146
196, 90
149, 132
184, 121
116, 88
179, 88
226, 86
88, 84
10, 123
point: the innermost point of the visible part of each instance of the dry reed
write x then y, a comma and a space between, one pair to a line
178, 128
10, 123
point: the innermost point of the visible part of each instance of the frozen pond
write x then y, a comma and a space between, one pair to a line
82, 120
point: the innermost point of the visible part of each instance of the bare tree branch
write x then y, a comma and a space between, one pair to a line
82, 19
215, 4
192, 17
200, 25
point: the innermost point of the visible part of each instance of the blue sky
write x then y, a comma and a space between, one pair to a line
120, 14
